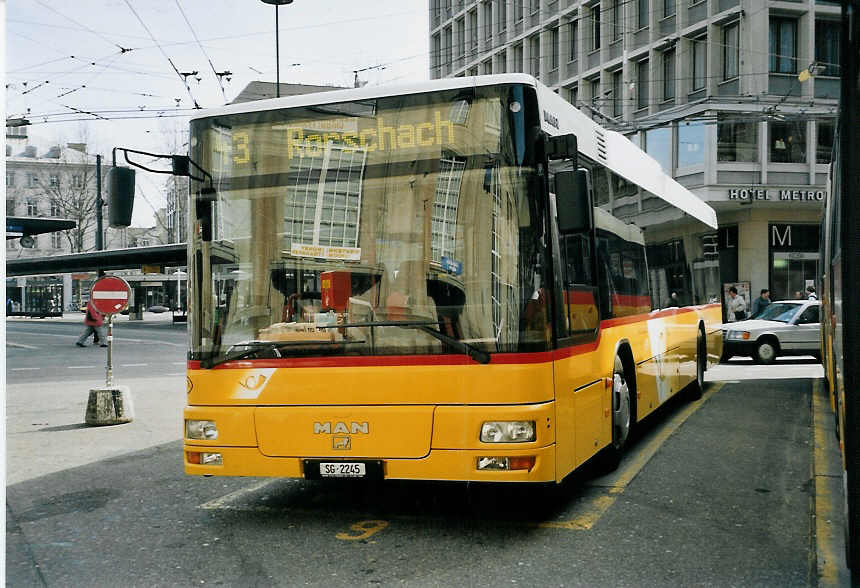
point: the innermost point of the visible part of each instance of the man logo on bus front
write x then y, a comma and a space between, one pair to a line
342, 443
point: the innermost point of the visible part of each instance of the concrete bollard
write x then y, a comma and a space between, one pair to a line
109, 405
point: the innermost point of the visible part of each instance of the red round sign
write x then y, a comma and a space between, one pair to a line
110, 295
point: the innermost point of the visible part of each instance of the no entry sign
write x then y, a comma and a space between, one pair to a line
110, 295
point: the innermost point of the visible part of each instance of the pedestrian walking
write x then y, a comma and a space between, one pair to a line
760, 303
94, 322
737, 306
810, 293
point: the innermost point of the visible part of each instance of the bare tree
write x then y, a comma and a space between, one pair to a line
69, 186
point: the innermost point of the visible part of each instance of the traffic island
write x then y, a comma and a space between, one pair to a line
109, 405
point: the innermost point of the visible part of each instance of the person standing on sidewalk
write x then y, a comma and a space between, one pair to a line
760, 303
737, 306
94, 322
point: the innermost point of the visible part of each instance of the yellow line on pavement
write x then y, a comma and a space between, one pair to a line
618, 481
828, 572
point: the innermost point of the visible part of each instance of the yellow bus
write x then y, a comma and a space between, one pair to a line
462, 279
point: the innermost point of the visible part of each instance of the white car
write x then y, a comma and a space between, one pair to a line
785, 327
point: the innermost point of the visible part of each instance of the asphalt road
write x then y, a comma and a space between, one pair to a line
719, 492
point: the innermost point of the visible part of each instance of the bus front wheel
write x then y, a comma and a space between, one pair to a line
621, 416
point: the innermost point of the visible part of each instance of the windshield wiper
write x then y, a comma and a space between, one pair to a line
478, 355
255, 346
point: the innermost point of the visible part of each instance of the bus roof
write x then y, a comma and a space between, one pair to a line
557, 116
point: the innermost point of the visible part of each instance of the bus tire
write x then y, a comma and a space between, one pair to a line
696, 388
621, 417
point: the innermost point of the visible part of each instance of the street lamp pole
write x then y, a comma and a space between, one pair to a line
276, 4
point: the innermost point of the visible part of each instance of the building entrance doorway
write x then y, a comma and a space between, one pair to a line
791, 272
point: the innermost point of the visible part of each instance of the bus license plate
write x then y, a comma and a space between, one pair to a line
342, 469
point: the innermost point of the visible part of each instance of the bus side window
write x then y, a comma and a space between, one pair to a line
579, 294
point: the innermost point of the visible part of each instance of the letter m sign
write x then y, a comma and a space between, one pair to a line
783, 240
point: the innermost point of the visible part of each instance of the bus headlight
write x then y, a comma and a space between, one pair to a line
204, 430
508, 431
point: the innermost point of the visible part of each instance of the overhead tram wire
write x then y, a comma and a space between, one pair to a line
160, 48
194, 34
85, 27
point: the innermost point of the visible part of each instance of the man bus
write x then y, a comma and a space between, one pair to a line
463, 279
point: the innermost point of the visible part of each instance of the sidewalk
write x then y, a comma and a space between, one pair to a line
78, 317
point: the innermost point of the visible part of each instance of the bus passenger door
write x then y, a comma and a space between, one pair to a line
579, 390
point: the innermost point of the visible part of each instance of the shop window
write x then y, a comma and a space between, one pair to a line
824, 143
788, 142
691, 144
737, 140
783, 45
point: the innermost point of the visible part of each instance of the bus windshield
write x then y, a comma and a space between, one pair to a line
394, 226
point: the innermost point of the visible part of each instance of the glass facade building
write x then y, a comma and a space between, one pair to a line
714, 90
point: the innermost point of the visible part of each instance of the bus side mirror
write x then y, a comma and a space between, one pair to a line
562, 147
120, 196
573, 206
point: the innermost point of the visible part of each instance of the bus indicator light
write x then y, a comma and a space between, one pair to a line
203, 458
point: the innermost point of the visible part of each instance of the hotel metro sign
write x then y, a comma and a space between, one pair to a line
751, 193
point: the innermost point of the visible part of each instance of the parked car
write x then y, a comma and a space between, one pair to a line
786, 327
157, 308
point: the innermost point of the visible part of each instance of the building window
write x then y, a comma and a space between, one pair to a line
642, 84
447, 49
55, 209
731, 51
571, 48
461, 38
57, 240
827, 46
787, 142
10, 207
10, 179
518, 11
488, 21
691, 144
32, 208
617, 103
658, 144
783, 45
824, 143
668, 8
32, 180
554, 48
616, 11
534, 55
595, 27
518, 58
737, 140
473, 32
502, 11
642, 16
669, 75
77, 181
700, 49
54, 180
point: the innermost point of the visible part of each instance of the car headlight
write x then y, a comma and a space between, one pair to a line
508, 431
204, 430
739, 335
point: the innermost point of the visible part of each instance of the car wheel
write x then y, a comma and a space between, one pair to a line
766, 352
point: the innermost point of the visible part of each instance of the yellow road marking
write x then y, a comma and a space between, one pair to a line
828, 572
364, 530
617, 482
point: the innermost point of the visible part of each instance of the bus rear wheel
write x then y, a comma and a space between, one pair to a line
695, 389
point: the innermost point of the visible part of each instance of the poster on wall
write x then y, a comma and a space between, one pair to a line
743, 289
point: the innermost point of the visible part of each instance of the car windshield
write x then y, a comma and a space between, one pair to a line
781, 312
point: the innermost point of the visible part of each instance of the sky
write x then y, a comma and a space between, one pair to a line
105, 71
